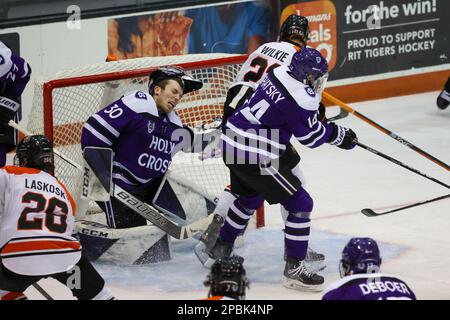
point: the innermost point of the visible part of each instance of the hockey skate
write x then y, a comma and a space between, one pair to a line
314, 260
298, 277
207, 256
208, 240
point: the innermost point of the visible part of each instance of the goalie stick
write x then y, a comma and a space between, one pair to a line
341, 104
370, 213
179, 230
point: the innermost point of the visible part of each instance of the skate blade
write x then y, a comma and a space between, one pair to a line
297, 285
202, 255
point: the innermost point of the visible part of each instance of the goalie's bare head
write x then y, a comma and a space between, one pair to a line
168, 84
35, 152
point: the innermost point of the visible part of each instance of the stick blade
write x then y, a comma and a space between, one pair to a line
370, 213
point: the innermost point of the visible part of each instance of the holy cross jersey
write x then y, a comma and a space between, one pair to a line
14, 73
143, 140
264, 59
280, 108
36, 223
375, 286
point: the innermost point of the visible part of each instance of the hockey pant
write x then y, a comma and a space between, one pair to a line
83, 280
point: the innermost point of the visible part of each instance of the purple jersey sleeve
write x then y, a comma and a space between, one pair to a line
14, 73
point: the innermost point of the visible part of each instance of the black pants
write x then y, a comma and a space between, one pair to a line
90, 284
274, 185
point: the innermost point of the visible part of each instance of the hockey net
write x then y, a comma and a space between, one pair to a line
63, 102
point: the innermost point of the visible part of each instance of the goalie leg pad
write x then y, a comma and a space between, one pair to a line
128, 246
120, 216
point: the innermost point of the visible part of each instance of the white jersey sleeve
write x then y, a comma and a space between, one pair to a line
261, 61
36, 223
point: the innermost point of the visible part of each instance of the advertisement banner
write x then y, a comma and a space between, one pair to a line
358, 38
375, 37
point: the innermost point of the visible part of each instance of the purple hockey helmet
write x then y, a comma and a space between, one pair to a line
360, 255
309, 67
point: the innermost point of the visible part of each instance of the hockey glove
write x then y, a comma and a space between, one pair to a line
8, 108
343, 138
322, 116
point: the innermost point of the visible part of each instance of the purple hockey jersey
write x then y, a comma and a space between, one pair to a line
374, 286
280, 108
14, 73
143, 140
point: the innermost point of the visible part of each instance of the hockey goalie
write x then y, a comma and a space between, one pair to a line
128, 146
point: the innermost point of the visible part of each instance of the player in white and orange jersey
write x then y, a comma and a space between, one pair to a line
36, 226
227, 279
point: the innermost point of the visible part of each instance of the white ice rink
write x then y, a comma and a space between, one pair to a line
415, 243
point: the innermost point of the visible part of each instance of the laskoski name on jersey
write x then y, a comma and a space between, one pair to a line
44, 186
272, 90
383, 286
280, 55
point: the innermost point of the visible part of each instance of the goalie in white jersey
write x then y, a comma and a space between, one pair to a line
36, 226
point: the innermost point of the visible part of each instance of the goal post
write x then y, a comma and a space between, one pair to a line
64, 101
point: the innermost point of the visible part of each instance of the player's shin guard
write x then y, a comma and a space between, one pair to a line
297, 235
299, 206
238, 216
8, 295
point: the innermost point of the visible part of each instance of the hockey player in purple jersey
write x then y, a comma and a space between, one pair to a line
254, 143
361, 280
293, 36
14, 76
144, 132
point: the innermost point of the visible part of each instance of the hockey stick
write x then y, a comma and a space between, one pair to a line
42, 291
331, 98
176, 230
370, 213
342, 114
378, 153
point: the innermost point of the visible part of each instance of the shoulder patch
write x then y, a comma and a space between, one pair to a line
140, 95
310, 91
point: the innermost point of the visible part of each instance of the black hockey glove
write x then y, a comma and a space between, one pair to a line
8, 109
322, 115
343, 138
